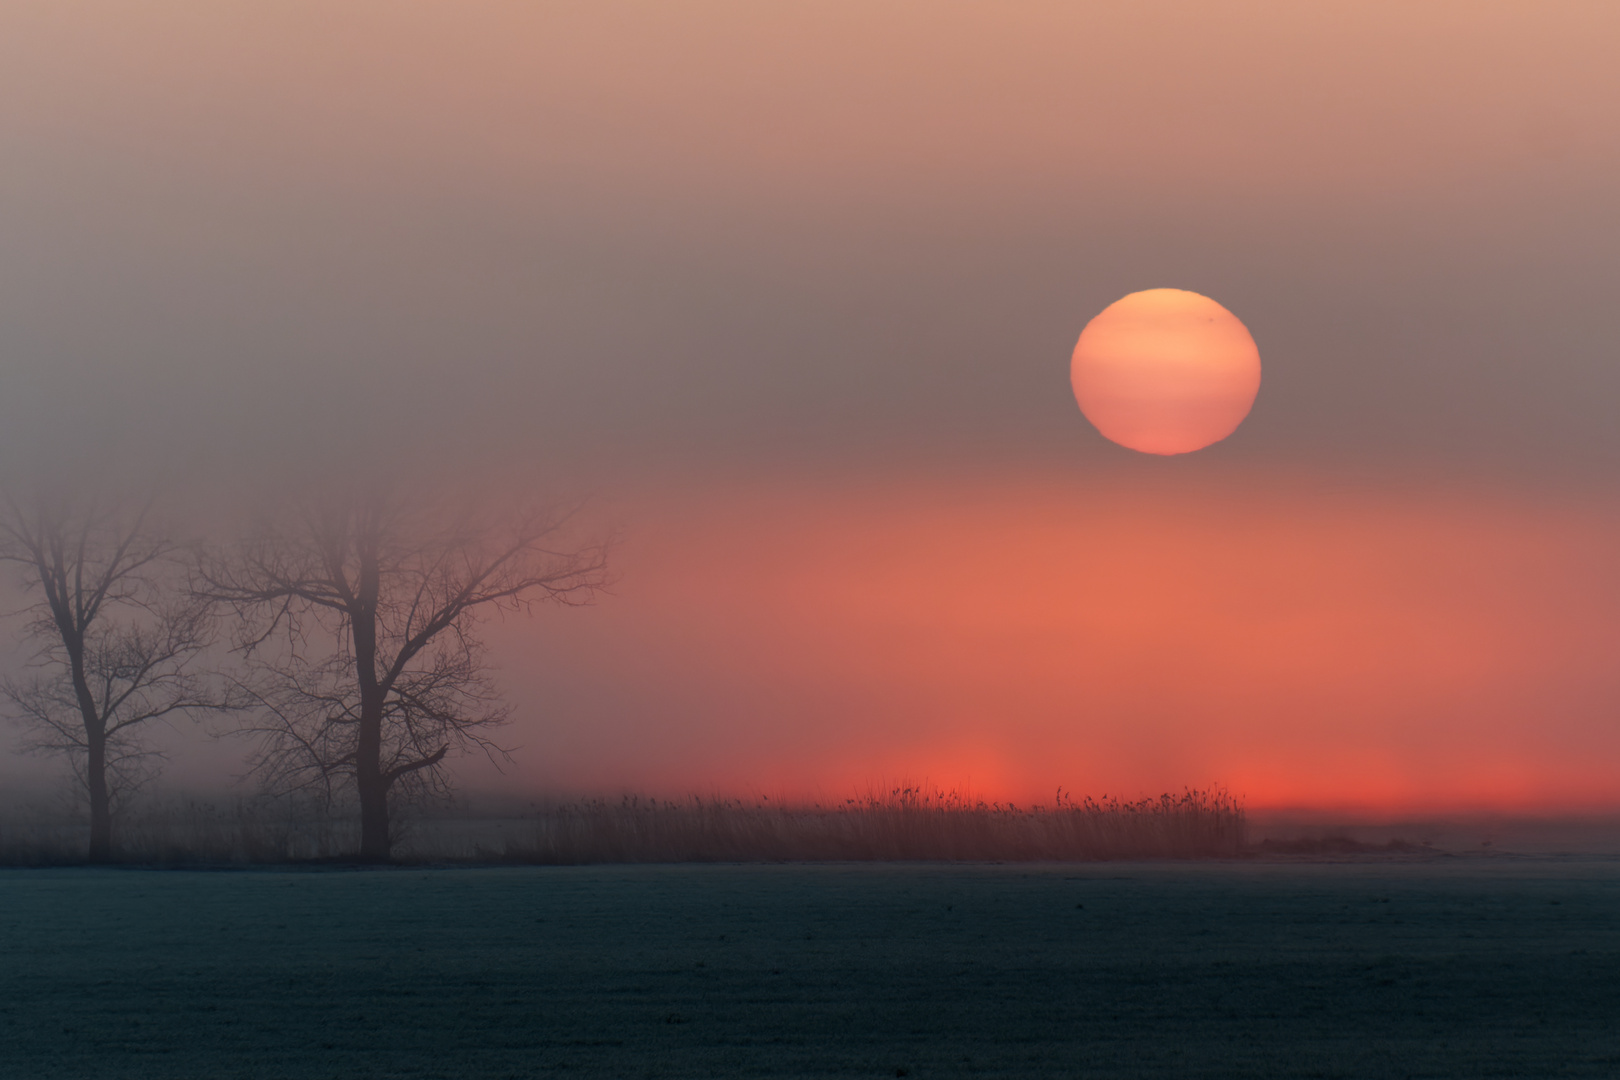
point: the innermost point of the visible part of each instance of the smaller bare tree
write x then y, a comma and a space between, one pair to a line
118, 640
359, 619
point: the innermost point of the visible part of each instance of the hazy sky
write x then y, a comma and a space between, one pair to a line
778, 271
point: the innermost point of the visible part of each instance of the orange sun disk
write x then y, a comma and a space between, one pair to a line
1165, 371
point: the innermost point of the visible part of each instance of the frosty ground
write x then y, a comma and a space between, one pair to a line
1435, 967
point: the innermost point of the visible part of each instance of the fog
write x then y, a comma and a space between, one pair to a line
617, 231
659, 253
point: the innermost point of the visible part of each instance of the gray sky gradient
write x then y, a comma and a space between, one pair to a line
836, 254
244, 234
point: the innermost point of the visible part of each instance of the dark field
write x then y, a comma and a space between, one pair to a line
1459, 967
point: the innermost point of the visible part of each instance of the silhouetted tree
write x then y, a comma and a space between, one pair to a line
358, 621
118, 634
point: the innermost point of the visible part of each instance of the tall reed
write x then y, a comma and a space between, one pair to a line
904, 823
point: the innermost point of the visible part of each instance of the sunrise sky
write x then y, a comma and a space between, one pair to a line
793, 288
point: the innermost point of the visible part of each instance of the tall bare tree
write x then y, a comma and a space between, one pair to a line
359, 616
119, 639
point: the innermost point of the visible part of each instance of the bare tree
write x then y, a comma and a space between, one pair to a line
359, 618
117, 649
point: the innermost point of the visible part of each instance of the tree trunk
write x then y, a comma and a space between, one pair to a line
368, 772
374, 842
370, 782
95, 744
372, 786
100, 804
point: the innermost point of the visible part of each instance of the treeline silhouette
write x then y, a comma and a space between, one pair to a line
908, 823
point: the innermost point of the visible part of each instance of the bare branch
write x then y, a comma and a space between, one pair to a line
358, 620
117, 642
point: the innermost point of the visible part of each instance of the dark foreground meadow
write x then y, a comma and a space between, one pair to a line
1461, 967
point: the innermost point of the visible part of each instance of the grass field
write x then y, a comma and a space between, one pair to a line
1461, 967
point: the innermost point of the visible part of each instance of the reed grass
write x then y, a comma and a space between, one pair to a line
907, 823
902, 824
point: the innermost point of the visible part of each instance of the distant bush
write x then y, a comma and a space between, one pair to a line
906, 823
1339, 845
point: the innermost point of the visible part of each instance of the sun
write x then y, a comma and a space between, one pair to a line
1165, 371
